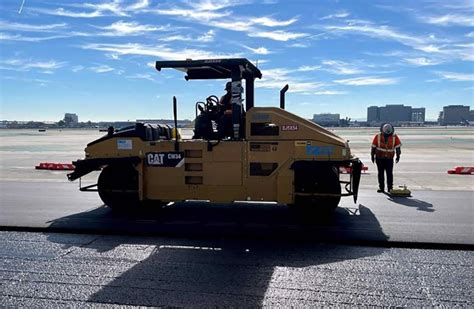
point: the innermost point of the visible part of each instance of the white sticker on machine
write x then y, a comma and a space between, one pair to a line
124, 144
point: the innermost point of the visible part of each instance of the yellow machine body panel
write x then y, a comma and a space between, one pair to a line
255, 169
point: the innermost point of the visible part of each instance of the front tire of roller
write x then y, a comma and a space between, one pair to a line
322, 204
118, 187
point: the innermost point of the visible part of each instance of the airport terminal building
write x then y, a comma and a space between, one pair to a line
397, 114
327, 120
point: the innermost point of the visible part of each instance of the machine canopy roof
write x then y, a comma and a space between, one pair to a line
213, 68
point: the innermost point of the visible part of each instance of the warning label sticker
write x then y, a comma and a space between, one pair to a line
124, 144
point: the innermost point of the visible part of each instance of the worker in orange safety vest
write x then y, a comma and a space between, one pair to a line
385, 146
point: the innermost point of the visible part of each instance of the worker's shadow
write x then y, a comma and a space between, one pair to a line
412, 202
234, 271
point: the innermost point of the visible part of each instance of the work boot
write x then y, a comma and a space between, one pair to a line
380, 190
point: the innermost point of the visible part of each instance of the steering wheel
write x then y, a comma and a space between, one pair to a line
212, 104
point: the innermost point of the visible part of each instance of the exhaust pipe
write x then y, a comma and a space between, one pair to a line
175, 115
282, 96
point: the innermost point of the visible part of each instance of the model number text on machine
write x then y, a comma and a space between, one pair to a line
165, 159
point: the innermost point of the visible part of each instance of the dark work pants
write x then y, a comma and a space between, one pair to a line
224, 126
385, 165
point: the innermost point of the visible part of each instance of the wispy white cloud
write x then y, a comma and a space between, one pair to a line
122, 28
217, 14
329, 92
93, 10
39, 81
201, 11
270, 22
204, 38
258, 50
450, 51
139, 5
421, 61
429, 56
449, 20
102, 68
367, 81
332, 66
160, 51
215, 5
77, 68
74, 14
276, 78
278, 35
462, 51
444, 48
28, 64
309, 68
58, 31
21, 38
300, 45
142, 76
232, 25
457, 77
457, 5
200, 16
340, 67
429, 48
249, 25
31, 27
376, 31
113, 7
48, 65
337, 15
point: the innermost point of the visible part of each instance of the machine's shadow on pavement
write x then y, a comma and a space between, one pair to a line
231, 255
196, 219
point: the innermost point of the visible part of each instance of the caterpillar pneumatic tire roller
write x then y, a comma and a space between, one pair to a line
236, 153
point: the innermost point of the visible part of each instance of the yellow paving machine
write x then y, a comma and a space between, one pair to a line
238, 154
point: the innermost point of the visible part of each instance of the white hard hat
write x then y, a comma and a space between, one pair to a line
387, 129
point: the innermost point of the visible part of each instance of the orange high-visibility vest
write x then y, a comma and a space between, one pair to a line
385, 148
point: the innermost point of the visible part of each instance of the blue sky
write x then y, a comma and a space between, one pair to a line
96, 58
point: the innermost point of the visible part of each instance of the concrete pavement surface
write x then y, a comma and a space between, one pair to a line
439, 217
67, 270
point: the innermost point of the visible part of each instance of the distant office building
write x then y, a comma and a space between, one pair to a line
418, 114
373, 114
396, 114
471, 115
454, 115
328, 120
71, 119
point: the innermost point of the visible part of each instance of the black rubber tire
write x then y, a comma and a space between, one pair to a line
118, 187
322, 204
